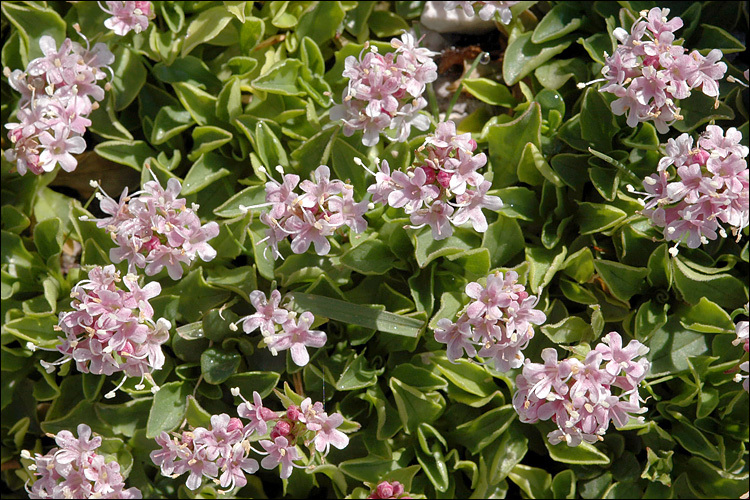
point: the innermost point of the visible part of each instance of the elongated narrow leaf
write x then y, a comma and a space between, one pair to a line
355, 314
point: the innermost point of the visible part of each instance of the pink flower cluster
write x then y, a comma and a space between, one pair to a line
487, 10
385, 91
442, 180
153, 229
324, 206
710, 187
56, 98
648, 74
128, 16
75, 470
225, 447
498, 322
279, 328
582, 397
112, 330
388, 490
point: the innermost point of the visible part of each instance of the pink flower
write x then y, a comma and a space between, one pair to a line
128, 16
648, 71
582, 398
384, 91
155, 229
76, 470
60, 149
256, 413
268, 313
457, 336
296, 337
279, 452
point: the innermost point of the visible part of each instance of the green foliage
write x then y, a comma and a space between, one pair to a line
219, 94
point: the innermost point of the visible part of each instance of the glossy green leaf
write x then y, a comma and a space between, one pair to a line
507, 142
415, 406
559, 21
168, 408
489, 91
719, 288
623, 281
205, 27
523, 55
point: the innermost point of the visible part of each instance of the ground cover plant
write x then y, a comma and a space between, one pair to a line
374, 250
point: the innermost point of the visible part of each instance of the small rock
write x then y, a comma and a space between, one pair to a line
436, 18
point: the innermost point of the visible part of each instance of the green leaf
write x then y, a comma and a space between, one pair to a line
468, 376
564, 484
596, 45
357, 375
369, 257
253, 195
713, 37
131, 153
129, 76
47, 238
660, 268
316, 151
580, 265
568, 331
419, 378
207, 138
281, 78
671, 345
504, 240
247, 382
650, 317
355, 314
555, 74
321, 22
534, 482
719, 288
507, 142
598, 124
482, 431
384, 24
170, 121
559, 21
311, 55
583, 454
126, 418
518, 203
694, 441
543, 265
623, 281
428, 249
597, 217
707, 317
269, 147
200, 104
36, 328
33, 23
415, 406
699, 109
658, 466
205, 27
168, 408
191, 70
522, 56
643, 137
606, 181
489, 91
208, 169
